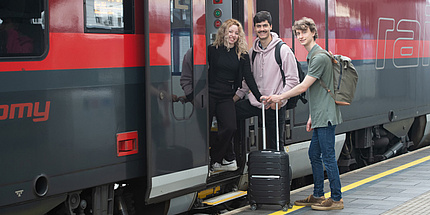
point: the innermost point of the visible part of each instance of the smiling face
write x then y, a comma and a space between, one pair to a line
305, 37
232, 35
262, 30
306, 32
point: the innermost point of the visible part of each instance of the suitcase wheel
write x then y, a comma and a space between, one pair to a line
285, 207
254, 206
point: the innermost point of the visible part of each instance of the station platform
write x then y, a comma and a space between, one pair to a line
400, 185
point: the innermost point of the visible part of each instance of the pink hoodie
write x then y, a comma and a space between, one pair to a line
267, 73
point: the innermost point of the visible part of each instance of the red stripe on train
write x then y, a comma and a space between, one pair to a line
358, 49
160, 47
78, 51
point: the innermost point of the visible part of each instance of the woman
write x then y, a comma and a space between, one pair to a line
228, 65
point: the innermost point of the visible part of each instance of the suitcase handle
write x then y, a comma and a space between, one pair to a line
263, 111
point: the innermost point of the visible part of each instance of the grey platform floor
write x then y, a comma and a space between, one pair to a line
400, 185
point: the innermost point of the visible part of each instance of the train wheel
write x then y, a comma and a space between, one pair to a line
131, 199
416, 132
124, 202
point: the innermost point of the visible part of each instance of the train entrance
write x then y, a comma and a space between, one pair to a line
176, 99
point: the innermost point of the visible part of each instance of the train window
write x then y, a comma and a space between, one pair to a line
182, 57
22, 28
109, 16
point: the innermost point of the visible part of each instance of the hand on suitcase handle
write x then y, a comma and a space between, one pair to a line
264, 102
263, 99
272, 99
273, 106
269, 104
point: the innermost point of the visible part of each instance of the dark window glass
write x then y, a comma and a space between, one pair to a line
22, 28
182, 69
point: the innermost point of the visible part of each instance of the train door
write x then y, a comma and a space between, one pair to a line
176, 98
317, 12
217, 12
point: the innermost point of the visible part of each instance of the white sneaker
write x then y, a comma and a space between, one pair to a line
229, 165
225, 166
217, 167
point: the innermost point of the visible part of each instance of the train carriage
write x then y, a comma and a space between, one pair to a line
94, 120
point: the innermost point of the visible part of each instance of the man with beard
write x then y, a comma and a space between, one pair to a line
268, 77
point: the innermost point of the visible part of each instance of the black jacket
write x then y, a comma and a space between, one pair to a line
244, 70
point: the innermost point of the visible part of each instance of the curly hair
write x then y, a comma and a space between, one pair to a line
222, 37
305, 23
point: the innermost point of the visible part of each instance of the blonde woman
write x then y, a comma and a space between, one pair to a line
228, 65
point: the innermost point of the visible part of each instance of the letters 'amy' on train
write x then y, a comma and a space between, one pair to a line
8, 111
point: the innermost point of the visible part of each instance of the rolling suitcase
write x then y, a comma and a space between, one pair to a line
269, 174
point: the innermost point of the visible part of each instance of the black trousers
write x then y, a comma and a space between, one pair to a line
223, 108
244, 110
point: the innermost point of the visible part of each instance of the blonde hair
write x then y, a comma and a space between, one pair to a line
222, 37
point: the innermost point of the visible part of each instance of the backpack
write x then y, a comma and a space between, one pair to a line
292, 102
345, 78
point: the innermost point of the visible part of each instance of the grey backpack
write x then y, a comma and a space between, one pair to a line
345, 78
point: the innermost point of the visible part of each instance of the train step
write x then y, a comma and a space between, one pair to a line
225, 198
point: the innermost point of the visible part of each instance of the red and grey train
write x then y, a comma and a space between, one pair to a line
91, 115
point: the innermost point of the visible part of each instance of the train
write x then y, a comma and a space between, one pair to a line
92, 114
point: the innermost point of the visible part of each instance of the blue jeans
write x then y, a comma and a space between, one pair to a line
322, 151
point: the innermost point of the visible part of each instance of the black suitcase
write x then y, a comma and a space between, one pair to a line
269, 175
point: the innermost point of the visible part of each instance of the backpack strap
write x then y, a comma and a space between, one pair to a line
320, 80
278, 52
253, 56
279, 60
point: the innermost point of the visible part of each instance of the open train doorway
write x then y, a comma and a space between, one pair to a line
217, 12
